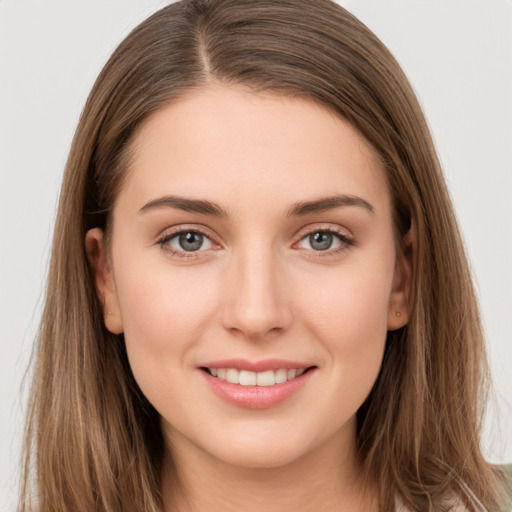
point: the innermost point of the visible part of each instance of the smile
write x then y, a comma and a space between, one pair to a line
256, 385
249, 378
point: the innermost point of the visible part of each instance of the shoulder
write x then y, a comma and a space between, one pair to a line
506, 471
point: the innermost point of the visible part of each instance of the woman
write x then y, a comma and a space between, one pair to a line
258, 296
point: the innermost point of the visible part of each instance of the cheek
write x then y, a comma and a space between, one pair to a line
348, 308
350, 321
164, 312
348, 316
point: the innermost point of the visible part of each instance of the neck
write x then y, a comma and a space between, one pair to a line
326, 479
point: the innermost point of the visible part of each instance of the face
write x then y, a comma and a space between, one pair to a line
253, 270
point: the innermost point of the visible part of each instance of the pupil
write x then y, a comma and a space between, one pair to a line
191, 241
320, 241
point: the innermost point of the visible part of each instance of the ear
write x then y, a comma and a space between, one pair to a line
399, 302
104, 280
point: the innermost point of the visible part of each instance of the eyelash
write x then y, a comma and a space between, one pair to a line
163, 242
345, 240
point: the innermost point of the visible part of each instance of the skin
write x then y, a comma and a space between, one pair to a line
256, 289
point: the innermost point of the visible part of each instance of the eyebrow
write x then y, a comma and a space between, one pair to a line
187, 205
302, 208
328, 203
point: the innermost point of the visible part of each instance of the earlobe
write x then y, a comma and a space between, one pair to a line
104, 280
400, 299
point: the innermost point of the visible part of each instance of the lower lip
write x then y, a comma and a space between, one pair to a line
256, 397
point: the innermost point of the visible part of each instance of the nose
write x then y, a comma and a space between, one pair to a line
256, 301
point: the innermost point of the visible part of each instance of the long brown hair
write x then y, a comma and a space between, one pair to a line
92, 438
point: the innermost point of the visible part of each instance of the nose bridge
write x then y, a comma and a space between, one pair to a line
256, 303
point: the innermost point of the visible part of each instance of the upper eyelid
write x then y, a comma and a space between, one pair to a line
326, 227
176, 230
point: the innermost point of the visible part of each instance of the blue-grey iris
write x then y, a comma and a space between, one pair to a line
191, 241
321, 241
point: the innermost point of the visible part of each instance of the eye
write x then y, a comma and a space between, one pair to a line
324, 240
187, 241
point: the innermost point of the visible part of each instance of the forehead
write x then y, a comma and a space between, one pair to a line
238, 145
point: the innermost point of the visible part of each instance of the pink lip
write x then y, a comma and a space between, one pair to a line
255, 397
256, 366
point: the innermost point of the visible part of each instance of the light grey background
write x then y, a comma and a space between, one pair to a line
457, 53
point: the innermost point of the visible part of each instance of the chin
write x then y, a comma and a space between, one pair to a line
261, 457
263, 449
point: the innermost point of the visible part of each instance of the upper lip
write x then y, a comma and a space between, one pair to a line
256, 366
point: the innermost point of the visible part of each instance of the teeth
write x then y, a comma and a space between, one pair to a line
233, 376
267, 378
247, 378
281, 376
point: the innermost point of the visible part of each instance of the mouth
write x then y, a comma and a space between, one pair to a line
250, 378
256, 384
